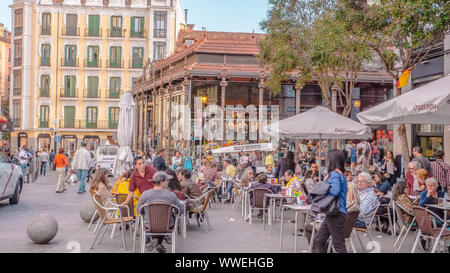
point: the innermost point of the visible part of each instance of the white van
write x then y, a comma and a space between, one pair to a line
105, 157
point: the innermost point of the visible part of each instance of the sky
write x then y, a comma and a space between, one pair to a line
215, 15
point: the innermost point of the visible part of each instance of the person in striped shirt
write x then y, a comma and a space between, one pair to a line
368, 199
441, 171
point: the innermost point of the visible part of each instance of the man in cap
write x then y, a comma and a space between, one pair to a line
159, 194
159, 162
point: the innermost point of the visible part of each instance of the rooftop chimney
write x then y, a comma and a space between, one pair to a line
186, 16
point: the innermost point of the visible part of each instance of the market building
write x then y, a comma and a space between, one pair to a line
222, 68
72, 59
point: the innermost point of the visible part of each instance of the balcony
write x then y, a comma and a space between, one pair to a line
97, 63
88, 32
91, 94
18, 31
17, 61
85, 124
71, 31
44, 92
69, 62
114, 64
68, 93
17, 122
17, 91
136, 64
45, 61
113, 94
141, 34
46, 31
160, 33
43, 124
116, 33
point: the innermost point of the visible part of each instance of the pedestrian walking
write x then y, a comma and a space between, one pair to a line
52, 157
61, 163
44, 157
81, 162
441, 171
187, 161
334, 224
24, 159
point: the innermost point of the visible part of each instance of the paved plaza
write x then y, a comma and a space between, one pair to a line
229, 234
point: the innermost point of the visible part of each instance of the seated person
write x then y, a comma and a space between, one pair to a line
311, 177
159, 194
400, 195
353, 201
100, 183
269, 172
293, 182
174, 184
248, 178
121, 186
210, 173
188, 187
430, 196
368, 198
261, 183
382, 184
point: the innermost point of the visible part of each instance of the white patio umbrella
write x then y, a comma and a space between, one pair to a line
428, 104
125, 133
244, 148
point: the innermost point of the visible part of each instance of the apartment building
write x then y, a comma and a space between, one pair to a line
5, 62
72, 59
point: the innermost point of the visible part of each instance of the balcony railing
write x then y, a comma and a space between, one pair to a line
45, 31
18, 31
17, 91
160, 33
141, 34
43, 124
45, 92
114, 64
45, 61
85, 124
17, 61
69, 62
97, 63
113, 94
89, 32
91, 93
71, 31
17, 122
116, 32
68, 93
135, 63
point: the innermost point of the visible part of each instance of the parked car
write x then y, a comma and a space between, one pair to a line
11, 180
106, 156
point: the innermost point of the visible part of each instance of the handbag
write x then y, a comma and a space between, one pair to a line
333, 208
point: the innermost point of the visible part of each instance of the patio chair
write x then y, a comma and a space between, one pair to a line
201, 210
258, 202
127, 210
95, 213
237, 195
349, 226
387, 214
408, 224
158, 217
366, 230
107, 212
425, 220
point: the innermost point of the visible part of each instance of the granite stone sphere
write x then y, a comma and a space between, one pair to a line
42, 228
87, 210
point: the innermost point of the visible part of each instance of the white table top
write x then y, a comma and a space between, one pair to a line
298, 207
438, 207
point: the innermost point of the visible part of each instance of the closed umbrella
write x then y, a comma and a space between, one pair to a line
125, 133
428, 104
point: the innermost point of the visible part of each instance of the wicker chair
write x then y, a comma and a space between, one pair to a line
425, 219
202, 208
107, 212
158, 216
259, 202
408, 224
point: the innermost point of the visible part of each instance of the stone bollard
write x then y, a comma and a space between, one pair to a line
42, 228
87, 210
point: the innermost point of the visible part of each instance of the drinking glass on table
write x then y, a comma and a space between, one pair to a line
440, 202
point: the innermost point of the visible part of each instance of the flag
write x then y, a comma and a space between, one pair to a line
404, 78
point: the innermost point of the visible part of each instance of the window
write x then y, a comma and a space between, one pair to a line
44, 113
92, 91
188, 42
69, 117
17, 113
17, 85
114, 86
116, 26
71, 25
114, 117
93, 60
17, 52
160, 30
18, 22
94, 22
45, 86
159, 50
46, 23
91, 117
69, 86
116, 57
138, 56
70, 55
45, 55
132, 82
137, 26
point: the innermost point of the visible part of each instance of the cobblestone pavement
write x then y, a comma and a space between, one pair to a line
229, 234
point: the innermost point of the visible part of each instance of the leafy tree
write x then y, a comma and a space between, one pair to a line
400, 32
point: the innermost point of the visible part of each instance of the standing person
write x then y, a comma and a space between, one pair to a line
61, 163
24, 158
187, 161
176, 160
81, 162
269, 160
418, 156
44, 157
353, 158
375, 152
441, 171
243, 159
51, 158
360, 161
388, 166
141, 179
149, 157
399, 166
413, 166
334, 224
159, 163
287, 163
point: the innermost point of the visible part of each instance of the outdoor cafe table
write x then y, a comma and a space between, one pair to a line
444, 225
296, 208
272, 198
